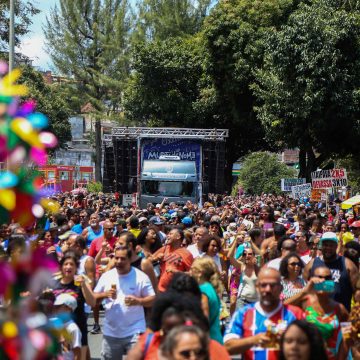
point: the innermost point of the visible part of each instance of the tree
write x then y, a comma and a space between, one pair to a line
166, 87
235, 35
24, 12
261, 172
309, 85
50, 102
163, 19
88, 41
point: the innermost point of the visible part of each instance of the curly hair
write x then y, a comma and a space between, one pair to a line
205, 270
207, 240
285, 262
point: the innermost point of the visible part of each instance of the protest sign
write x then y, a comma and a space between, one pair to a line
301, 191
326, 179
287, 184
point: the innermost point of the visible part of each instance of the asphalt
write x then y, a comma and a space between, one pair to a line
95, 340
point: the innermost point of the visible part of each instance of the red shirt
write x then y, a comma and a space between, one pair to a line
177, 260
95, 246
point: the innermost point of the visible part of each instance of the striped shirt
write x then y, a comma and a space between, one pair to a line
252, 320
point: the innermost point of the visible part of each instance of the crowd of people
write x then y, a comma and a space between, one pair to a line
263, 277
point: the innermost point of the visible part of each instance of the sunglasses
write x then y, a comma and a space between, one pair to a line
329, 277
186, 354
106, 228
293, 264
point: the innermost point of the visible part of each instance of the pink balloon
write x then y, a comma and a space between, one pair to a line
48, 139
38, 156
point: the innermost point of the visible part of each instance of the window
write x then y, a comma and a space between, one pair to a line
64, 175
168, 188
86, 176
51, 175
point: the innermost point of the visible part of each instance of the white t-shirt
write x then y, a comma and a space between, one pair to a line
195, 252
274, 264
121, 320
74, 340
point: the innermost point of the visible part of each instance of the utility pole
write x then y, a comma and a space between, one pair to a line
12, 35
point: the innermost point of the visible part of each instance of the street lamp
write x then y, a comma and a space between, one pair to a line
12, 35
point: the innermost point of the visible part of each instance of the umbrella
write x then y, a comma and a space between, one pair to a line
347, 204
79, 191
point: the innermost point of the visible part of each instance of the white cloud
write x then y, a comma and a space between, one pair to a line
34, 48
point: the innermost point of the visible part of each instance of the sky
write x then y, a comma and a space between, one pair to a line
33, 44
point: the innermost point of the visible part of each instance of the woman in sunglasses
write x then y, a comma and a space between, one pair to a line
246, 287
320, 308
291, 268
185, 343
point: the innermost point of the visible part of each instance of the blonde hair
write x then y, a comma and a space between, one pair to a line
207, 271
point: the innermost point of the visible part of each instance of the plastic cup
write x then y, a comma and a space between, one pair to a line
346, 329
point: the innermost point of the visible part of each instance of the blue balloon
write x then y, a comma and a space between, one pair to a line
38, 120
8, 180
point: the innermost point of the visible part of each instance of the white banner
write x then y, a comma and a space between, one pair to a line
327, 179
300, 191
287, 184
127, 199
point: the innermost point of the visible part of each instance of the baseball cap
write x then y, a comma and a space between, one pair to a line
67, 300
67, 234
355, 224
143, 218
156, 220
329, 236
187, 220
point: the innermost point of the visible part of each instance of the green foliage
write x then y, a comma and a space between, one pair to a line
309, 85
235, 35
262, 172
94, 187
24, 12
164, 19
49, 102
352, 165
167, 86
88, 41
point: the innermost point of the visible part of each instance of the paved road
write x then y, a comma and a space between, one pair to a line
95, 340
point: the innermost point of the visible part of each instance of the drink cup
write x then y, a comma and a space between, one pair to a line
77, 280
345, 329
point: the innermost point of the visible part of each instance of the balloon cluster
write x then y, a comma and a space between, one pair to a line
26, 332
23, 145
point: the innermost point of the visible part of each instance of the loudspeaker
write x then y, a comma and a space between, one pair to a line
125, 160
214, 166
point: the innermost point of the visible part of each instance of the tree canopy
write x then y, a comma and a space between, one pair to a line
261, 172
308, 89
89, 41
24, 12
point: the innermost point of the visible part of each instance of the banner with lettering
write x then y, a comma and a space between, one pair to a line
327, 179
287, 184
188, 150
301, 191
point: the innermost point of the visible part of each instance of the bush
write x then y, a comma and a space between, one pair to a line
94, 187
261, 172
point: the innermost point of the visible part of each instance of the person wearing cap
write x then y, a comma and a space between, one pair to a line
71, 345
343, 271
159, 226
355, 229
143, 222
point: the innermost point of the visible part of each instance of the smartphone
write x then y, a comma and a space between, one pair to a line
327, 286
